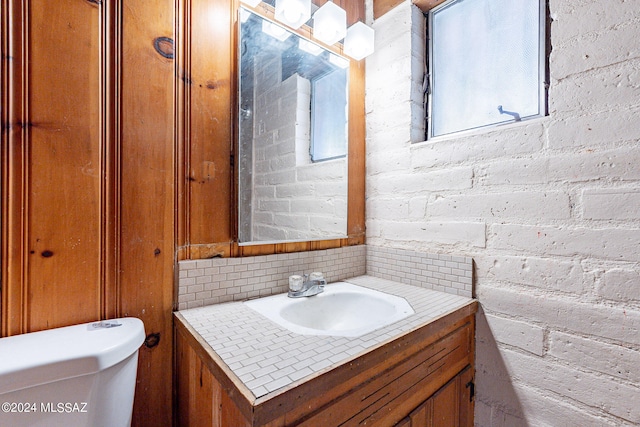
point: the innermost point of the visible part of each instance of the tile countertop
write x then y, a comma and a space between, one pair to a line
266, 357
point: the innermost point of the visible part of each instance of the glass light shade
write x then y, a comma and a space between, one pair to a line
244, 15
252, 3
359, 41
293, 13
275, 31
330, 23
309, 47
338, 61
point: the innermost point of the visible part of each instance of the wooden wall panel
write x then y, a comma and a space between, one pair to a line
88, 174
117, 130
208, 74
146, 215
53, 156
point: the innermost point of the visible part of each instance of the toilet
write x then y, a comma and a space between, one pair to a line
81, 375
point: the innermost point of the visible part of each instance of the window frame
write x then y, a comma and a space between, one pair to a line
543, 73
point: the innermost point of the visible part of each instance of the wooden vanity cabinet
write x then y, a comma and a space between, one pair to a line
421, 378
452, 405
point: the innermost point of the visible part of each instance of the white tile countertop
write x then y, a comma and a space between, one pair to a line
266, 357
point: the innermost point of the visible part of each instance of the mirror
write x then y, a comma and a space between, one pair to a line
292, 136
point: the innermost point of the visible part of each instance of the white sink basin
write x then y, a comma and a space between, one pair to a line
342, 309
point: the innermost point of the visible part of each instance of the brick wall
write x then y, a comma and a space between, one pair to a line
549, 210
293, 198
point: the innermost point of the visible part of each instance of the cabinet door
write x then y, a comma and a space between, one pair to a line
451, 406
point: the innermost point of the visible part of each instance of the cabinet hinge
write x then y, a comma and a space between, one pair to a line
472, 390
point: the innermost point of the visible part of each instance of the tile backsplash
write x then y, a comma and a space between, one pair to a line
446, 273
217, 280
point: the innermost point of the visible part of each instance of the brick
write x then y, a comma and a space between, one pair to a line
519, 334
607, 243
390, 208
587, 165
611, 204
594, 129
468, 233
484, 146
620, 285
594, 390
609, 359
521, 205
545, 273
547, 409
598, 320
614, 87
578, 19
419, 183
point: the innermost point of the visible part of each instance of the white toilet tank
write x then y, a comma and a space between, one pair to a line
82, 375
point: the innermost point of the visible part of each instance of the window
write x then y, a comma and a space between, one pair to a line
486, 64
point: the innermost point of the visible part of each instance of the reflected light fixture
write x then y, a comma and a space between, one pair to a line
293, 13
310, 47
330, 23
359, 41
275, 30
338, 61
244, 15
252, 3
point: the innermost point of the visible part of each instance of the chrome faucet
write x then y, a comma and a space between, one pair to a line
310, 287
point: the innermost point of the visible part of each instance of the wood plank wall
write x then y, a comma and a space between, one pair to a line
88, 174
117, 137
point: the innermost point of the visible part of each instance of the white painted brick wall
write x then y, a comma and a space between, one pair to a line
288, 187
549, 210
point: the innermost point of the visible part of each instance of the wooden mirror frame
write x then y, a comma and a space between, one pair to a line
207, 225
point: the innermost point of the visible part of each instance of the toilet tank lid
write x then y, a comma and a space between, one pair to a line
42, 357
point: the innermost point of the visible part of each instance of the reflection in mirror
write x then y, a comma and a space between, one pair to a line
292, 136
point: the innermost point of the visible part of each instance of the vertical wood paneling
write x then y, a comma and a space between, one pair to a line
53, 165
146, 178
104, 138
13, 152
208, 75
88, 170
356, 175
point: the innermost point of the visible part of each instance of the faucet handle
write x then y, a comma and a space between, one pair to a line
296, 282
316, 276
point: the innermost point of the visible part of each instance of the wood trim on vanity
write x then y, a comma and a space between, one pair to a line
396, 377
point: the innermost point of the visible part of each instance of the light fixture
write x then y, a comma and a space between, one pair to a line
330, 23
338, 61
309, 47
359, 41
252, 3
244, 15
275, 30
294, 13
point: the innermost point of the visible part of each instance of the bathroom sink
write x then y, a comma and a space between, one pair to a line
342, 309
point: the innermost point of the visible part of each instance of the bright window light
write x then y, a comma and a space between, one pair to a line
487, 63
